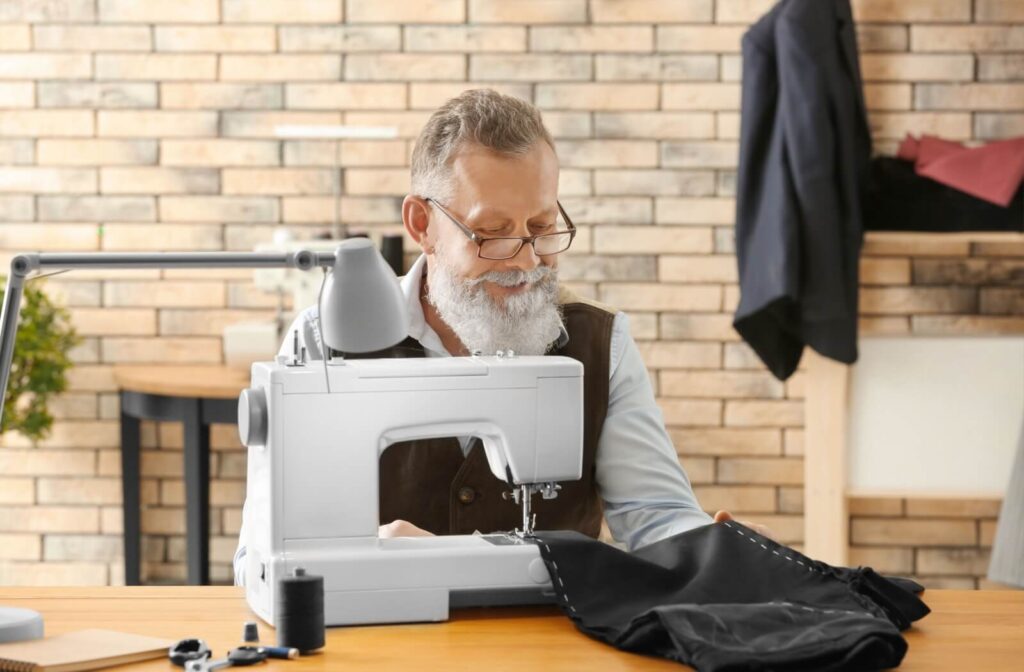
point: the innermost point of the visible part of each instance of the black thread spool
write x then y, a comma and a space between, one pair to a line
299, 612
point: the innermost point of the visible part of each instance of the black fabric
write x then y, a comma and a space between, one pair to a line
723, 598
804, 152
898, 199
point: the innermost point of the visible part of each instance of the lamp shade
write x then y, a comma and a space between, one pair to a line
18, 625
362, 308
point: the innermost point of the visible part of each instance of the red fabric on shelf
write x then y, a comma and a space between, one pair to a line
992, 172
931, 149
908, 149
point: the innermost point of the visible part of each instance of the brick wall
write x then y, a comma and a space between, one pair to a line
129, 125
943, 543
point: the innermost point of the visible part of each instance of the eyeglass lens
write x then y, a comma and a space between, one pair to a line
504, 248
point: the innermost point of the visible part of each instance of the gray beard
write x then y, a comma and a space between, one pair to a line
527, 323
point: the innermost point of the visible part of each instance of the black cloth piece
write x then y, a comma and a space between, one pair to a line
722, 598
898, 199
908, 585
803, 159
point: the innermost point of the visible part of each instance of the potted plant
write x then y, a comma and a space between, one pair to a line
39, 365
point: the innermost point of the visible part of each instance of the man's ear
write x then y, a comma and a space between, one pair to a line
416, 217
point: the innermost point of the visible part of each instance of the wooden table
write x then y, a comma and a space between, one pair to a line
196, 396
967, 630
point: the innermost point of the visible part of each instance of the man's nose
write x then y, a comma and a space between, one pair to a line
526, 258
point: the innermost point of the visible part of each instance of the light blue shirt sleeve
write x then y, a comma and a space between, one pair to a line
647, 495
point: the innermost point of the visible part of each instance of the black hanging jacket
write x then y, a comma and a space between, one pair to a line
804, 151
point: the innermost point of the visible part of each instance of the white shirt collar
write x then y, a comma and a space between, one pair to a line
418, 327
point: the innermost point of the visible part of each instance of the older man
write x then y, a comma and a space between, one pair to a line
484, 210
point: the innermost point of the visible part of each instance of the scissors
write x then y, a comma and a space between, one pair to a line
242, 656
188, 649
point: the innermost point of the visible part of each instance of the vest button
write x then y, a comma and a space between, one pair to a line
467, 495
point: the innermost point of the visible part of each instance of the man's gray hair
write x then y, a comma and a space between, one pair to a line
484, 117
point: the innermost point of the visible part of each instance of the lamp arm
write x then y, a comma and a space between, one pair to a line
24, 264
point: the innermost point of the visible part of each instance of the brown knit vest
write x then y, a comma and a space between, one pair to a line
430, 484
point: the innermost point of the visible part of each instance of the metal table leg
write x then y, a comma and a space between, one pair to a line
197, 493
197, 415
130, 440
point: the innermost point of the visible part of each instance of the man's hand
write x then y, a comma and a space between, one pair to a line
401, 528
763, 530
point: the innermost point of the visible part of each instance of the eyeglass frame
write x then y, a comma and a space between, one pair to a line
523, 240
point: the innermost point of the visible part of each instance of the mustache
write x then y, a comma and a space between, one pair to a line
513, 278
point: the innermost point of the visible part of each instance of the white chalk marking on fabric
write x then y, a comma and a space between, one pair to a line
554, 566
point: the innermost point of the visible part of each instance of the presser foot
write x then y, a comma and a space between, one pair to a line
516, 537
527, 531
523, 495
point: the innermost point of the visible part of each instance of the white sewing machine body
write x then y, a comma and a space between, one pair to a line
312, 490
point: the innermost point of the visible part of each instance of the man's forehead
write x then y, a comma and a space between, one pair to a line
474, 163
494, 212
488, 184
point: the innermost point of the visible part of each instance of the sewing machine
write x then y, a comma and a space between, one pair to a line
315, 434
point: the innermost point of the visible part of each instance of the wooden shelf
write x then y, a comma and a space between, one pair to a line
926, 494
951, 237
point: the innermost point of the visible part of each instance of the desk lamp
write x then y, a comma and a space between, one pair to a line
361, 309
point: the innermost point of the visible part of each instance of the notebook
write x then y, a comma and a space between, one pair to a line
80, 650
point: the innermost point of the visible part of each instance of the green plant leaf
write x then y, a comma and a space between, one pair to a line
39, 365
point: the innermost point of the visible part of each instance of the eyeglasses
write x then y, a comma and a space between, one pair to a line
498, 248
